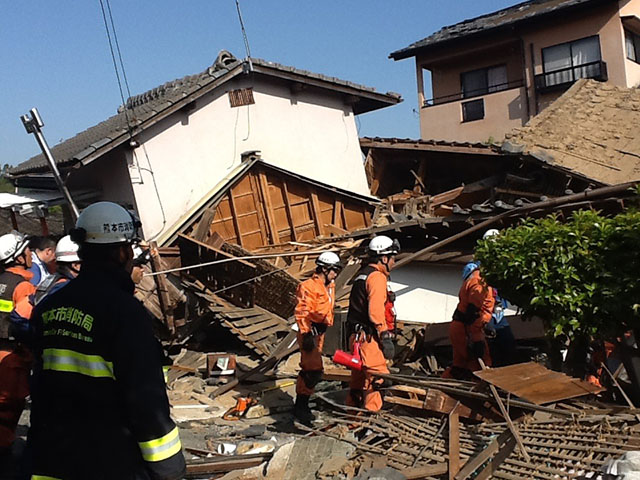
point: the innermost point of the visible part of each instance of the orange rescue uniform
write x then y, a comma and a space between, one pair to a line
316, 302
15, 364
474, 291
367, 308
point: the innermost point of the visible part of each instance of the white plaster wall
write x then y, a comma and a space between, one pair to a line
427, 293
184, 156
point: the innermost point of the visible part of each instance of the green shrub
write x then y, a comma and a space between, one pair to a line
580, 275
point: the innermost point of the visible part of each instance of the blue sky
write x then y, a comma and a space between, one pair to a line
55, 55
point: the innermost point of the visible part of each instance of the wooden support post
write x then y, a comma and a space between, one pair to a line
14, 220
234, 216
315, 208
337, 209
454, 444
506, 416
44, 227
287, 207
270, 215
161, 287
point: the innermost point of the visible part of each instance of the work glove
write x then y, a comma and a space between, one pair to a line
489, 331
308, 342
477, 349
388, 349
318, 328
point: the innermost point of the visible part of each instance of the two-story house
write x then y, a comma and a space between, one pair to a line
168, 148
493, 73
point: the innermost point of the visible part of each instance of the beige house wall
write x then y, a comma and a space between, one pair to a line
443, 121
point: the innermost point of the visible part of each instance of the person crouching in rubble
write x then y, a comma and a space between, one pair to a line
314, 314
467, 330
367, 323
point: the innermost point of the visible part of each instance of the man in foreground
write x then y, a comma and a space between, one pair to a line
99, 402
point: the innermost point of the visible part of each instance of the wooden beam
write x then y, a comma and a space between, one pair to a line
454, 444
14, 220
428, 147
337, 207
480, 459
264, 191
161, 287
216, 250
335, 230
315, 209
265, 233
204, 225
287, 207
234, 216
418, 473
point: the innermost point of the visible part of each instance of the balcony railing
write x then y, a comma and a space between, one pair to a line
562, 78
473, 94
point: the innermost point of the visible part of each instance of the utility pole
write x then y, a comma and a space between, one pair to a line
33, 124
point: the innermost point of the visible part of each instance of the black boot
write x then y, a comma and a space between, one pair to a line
302, 412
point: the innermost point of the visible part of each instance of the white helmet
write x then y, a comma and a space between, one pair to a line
106, 223
11, 246
329, 260
490, 233
383, 245
67, 250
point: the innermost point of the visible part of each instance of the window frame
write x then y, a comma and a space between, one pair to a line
478, 93
464, 116
570, 43
635, 40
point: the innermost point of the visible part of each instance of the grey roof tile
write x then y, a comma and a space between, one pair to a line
507, 17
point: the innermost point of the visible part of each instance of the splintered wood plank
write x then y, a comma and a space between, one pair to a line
204, 225
337, 214
260, 334
317, 215
535, 383
261, 326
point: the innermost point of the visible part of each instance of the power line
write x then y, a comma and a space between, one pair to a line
244, 34
115, 37
115, 63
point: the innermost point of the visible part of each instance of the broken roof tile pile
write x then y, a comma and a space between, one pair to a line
502, 19
592, 130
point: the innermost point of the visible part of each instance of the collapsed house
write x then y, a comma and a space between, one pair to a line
168, 147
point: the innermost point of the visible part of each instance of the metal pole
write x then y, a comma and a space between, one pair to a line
33, 124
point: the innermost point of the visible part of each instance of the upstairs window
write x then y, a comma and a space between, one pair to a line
483, 81
632, 44
570, 61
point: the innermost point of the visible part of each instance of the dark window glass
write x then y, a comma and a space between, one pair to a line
473, 110
570, 61
483, 81
632, 46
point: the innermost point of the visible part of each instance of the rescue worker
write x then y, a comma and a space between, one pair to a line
99, 401
502, 343
68, 265
15, 310
367, 323
467, 330
314, 314
43, 254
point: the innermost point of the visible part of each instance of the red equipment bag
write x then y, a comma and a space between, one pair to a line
349, 360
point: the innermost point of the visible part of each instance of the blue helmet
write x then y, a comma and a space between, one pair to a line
468, 269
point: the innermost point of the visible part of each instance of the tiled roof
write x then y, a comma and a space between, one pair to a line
591, 131
144, 109
508, 17
440, 145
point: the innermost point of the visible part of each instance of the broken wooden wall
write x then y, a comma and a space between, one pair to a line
267, 207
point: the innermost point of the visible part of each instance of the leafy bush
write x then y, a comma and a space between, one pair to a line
581, 275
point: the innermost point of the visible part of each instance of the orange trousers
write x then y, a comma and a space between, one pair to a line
362, 393
310, 366
14, 388
459, 334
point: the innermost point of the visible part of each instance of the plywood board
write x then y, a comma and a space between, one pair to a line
535, 383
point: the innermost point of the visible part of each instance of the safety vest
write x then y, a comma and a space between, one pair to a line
8, 283
359, 301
